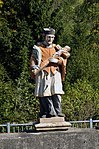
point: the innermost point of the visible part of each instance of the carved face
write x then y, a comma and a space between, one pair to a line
49, 39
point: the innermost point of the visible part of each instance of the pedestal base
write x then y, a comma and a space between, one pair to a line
53, 123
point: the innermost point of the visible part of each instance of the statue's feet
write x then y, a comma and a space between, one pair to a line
61, 115
43, 116
50, 115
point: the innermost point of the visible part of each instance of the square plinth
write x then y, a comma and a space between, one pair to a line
51, 120
53, 123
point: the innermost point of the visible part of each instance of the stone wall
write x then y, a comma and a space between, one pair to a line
70, 139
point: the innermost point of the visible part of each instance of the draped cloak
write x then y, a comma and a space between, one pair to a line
49, 81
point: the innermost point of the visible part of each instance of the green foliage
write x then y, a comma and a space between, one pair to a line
12, 42
80, 101
84, 61
17, 103
7, 91
26, 103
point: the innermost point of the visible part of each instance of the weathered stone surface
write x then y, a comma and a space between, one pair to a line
53, 123
51, 120
52, 126
71, 139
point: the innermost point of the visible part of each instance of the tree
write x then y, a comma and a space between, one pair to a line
84, 55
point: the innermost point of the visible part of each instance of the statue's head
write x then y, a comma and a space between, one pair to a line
49, 35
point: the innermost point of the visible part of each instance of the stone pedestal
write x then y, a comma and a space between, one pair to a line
53, 123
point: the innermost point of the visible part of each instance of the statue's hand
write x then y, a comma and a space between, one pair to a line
58, 47
34, 69
58, 53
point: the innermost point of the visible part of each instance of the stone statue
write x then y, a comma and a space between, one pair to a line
48, 66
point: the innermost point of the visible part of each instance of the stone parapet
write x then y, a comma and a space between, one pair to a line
73, 138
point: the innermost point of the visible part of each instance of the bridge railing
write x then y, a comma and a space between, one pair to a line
16, 128
85, 124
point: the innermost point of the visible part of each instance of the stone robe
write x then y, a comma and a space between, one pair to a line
48, 82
